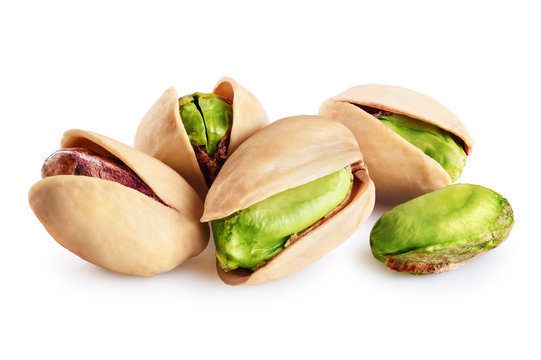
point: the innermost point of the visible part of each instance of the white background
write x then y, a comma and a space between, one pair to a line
99, 66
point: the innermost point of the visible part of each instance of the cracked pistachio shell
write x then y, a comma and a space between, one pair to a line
161, 132
400, 170
288, 153
441, 230
114, 226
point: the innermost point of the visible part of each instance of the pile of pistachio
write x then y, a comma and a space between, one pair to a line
277, 197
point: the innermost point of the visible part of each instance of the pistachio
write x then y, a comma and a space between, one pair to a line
411, 143
433, 141
441, 230
195, 134
256, 234
116, 207
289, 194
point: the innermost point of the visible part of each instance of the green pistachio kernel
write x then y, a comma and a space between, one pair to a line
437, 143
207, 118
253, 235
441, 230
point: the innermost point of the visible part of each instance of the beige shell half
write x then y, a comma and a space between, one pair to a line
400, 170
114, 226
161, 133
288, 153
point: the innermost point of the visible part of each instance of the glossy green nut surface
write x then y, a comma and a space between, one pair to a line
207, 118
437, 143
441, 230
251, 236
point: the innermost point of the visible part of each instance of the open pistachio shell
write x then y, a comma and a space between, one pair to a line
400, 170
441, 230
117, 227
286, 154
161, 132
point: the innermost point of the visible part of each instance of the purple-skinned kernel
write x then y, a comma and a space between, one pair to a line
84, 162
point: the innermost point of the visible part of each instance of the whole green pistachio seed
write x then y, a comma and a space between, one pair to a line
207, 118
441, 230
437, 143
251, 236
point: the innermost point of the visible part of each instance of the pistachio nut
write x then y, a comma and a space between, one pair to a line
441, 230
196, 133
411, 143
117, 207
289, 194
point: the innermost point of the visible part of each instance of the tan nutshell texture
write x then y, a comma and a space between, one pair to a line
117, 227
400, 170
289, 153
161, 132
248, 113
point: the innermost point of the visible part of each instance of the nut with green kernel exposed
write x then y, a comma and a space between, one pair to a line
288, 195
195, 134
412, 144
441, 230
